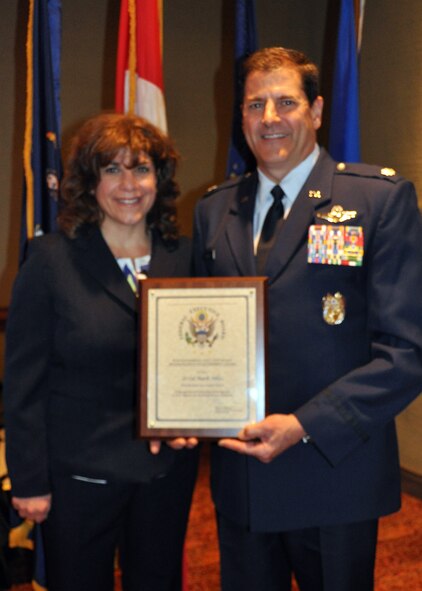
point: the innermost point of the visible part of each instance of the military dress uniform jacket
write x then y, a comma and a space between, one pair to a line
345, 382
70, 380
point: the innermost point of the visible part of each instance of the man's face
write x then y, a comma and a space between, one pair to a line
278, 122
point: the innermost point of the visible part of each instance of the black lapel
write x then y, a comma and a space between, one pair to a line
315, 193
239, 228
97, 259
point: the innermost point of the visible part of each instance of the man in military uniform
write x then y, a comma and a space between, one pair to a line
302, 490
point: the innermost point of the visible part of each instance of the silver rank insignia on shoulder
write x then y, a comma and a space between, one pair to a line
334, 308
337, 214
388, 171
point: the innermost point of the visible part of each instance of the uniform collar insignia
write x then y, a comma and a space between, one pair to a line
314, 194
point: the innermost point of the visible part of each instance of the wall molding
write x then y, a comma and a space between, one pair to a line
411, 483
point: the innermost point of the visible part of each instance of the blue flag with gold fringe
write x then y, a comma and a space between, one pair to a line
240, 158
344, 137
42, 165
42, 159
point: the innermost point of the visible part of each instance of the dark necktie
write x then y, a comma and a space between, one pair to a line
273, 218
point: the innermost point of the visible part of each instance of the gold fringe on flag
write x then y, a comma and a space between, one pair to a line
132, 56
27, 149
360, 24
160, 16
359, 6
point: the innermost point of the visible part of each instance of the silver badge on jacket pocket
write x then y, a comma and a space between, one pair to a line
334, 308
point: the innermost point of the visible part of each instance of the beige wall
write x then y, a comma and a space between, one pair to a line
409, 427
198, 49
391, 124
391, 95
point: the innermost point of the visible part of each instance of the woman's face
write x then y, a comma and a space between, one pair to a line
125, 195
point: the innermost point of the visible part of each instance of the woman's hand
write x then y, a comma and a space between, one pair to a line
177, 443
34, 508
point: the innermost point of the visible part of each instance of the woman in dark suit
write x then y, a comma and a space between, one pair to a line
70, 383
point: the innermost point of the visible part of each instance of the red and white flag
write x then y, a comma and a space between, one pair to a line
139, 76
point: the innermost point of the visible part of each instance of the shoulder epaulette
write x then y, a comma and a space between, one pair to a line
228, 184
367, 171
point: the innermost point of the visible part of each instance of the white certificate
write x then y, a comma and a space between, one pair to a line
202, 349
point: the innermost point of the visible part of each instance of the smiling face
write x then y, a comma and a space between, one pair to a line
278, 122
126, 193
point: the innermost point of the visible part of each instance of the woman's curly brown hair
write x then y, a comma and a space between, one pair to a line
94, 146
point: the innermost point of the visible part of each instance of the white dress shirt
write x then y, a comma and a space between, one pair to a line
291, 184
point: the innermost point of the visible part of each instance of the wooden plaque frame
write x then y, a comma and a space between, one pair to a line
202, 360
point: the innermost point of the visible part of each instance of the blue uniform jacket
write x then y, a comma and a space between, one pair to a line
345, 382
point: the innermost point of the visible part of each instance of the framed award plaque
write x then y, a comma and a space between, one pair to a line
202, 365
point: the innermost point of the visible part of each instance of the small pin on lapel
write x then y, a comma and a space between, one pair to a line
315, 194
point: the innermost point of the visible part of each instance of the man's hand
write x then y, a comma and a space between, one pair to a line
34, 508
178, 443
268, 438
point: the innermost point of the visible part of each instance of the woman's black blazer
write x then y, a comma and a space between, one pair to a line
70, 379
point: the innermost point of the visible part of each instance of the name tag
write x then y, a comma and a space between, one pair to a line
335, 245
